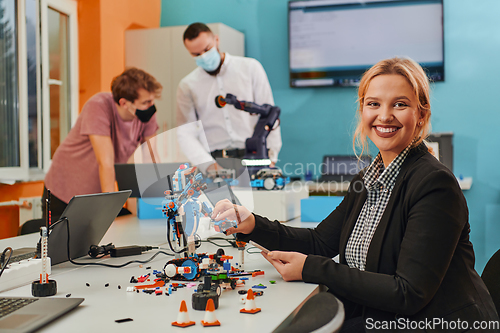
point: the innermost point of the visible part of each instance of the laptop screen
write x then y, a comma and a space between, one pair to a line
145, 180
89, 217
343, 165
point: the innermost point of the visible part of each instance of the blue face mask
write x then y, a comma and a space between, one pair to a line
209, 60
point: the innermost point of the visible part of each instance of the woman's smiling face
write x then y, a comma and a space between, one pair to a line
390, 114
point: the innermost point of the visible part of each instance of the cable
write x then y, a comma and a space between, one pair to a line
97, 252
211, 241
2, 259
197, 242
102, 264
170, 243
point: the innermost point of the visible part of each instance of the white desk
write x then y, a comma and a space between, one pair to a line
103, 305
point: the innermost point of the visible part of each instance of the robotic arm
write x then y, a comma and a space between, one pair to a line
183, 205
256, 147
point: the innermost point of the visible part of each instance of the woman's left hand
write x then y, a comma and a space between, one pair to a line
288, 264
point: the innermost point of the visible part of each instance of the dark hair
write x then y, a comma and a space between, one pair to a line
194, 30
130, 81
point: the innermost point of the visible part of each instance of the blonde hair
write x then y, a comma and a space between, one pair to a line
419, 82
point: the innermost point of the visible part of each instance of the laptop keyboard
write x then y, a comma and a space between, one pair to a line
9, 305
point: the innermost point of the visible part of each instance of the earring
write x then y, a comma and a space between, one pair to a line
420, 123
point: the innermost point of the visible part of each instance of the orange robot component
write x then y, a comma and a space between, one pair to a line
158, 283
254, 274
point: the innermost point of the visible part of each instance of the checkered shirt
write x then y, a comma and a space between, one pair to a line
379, 183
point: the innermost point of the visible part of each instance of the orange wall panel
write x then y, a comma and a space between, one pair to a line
117, 16
101, 55
101, 29
89, 49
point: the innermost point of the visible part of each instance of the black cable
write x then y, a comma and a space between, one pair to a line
170, 243
102, 264
97, 252
197, 241
2, 259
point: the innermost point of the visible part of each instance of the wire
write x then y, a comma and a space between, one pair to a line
97, 252
2, 259
212, 239
170, 243
102, 264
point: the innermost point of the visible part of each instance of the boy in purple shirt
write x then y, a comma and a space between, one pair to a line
108, 130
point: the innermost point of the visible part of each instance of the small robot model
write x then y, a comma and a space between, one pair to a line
183, 211
216, 268
222, 175
269, 179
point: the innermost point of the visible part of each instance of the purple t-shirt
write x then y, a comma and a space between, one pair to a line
74, 169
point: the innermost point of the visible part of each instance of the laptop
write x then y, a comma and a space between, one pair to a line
27, 314
88, 217
340, 168
216, 192
145, 180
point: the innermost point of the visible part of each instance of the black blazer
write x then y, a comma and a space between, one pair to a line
420, 263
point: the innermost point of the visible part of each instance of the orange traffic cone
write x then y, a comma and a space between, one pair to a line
182, 317
210, 319
250, 306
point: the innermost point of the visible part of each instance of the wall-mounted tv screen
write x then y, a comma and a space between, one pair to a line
333, 42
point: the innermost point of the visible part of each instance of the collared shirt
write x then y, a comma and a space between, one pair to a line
225, 128
379, 182
74, 169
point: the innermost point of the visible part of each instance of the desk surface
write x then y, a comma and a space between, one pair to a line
103, 305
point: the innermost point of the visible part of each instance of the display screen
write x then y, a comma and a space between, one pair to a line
333, 42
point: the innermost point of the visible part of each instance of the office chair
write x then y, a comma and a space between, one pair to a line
490, 278
322, 313
30, 226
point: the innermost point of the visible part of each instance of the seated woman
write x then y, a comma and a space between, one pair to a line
402, 230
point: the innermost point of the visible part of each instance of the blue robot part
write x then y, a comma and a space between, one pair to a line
223, 225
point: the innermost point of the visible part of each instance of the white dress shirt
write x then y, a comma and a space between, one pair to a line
226, 128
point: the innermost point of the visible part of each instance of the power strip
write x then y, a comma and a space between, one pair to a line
22, 273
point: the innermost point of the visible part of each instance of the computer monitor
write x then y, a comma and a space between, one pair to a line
145, 180
333, 42
342, 167
442, 144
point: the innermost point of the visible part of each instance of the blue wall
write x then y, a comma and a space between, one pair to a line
319, 121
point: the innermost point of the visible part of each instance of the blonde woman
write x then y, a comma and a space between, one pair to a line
402, 230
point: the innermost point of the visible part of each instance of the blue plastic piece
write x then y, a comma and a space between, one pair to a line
317, 208
194, 269
226, 266
150, 210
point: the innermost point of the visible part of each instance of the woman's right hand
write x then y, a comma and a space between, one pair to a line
224, 209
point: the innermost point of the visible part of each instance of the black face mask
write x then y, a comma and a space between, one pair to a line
145, 115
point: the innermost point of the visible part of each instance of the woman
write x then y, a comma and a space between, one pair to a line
402, 230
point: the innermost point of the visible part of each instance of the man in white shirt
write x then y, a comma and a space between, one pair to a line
219, 73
